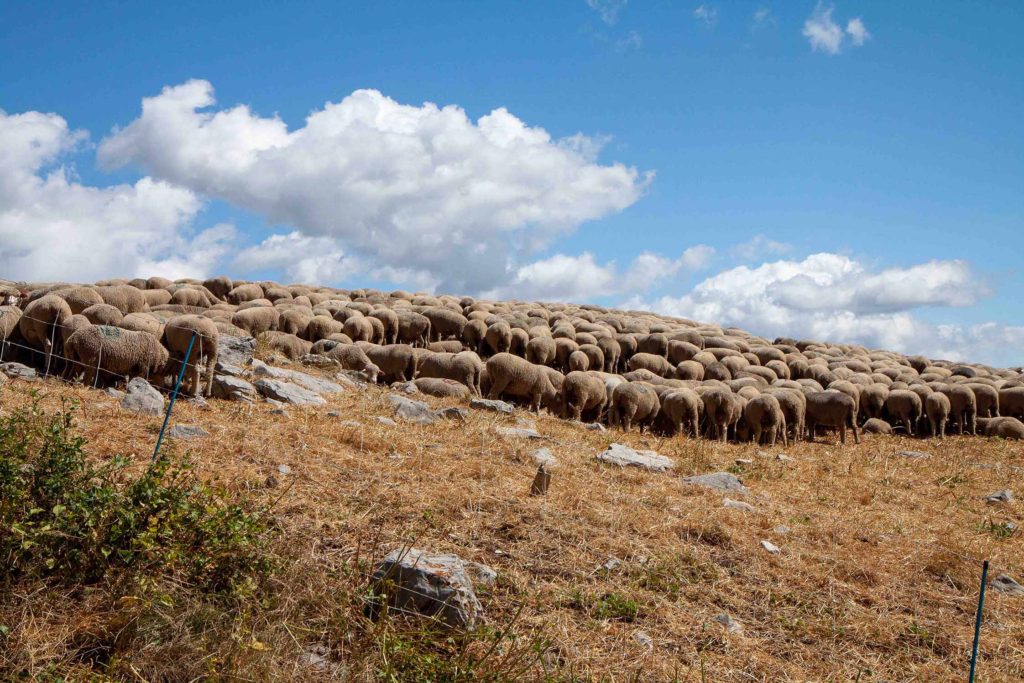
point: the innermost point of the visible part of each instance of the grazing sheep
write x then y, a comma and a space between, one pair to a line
474, 335
413, 328
118, 352
831, 409
905, 406
351, 357
764, 417
397, 362
142, 322
219, 286
681, 410
178, 331
256, 320
937, 408
444, 323
79, 298
611, 350
358, 328
633, 403
649, 361
499, 338
41, 321
540, 350
583, 391
244, 293
578, 362
1003, 427
595, 356
517, 377
288, 345
446, 346
103, 314
124, 298
963, 407
465, 367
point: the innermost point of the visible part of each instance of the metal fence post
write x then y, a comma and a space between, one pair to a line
174, 395
977, 619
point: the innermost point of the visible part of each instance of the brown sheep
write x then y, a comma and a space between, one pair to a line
177, 333
517, 377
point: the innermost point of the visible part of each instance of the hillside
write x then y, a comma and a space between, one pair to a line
617, 573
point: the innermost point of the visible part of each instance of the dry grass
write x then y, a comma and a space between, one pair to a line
877, 579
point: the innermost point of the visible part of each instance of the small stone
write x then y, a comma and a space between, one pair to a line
187, 432
453, 413
406, 387
782, 457
18, 371
541, 482
287, 392
771, 547
722, 481
914, 455
782, 529
611, 564
742, 462
519, 433
738, 505
594, 427
411, 411
643, 640
232, 388
279, 411
386, 421
284, 469
143, 398
728, 623
114, 393
624, 456
762, 454
333, 413
228, 369
544, 458
353, 424
1004, 496
495, 406
1005, 584
317, 360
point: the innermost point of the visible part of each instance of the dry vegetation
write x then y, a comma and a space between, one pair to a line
877, 578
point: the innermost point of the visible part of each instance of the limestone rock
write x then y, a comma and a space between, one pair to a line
287, 392
495, 406
721, 481
623, 456
143, 398
437, 586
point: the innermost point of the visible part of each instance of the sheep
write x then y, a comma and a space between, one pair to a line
40, 322
655, 363
256, 320
446, 346
499, 338
413, 328
474, 334
124, 298
578, 361
633, 403
681, 410
442, 388
517, 377
583, 391
831, 409
444, 323
540, 350
358, 328
764, 417
351, 357
397, 362
176, 336
465, 367
937, 408
288, 345
219, 286
595, 356
142, 322
244, 293
79, 298
103, 314
122, 353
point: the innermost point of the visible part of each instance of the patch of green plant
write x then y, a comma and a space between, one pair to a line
668, 576
65, 519
998, 529
607, 606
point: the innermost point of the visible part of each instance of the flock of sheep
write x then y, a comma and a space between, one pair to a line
629, 369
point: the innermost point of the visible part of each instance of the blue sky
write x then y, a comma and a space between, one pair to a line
892, 145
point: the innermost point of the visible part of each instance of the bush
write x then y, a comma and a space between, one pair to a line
65, 519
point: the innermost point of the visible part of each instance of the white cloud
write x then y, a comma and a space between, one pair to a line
581, 278
632, 41
823, 33
763, 15
706, 13
52, 227
758, 247
420, 188
833, 297
608, 10
857, 31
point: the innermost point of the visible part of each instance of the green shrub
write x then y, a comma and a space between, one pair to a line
65, 519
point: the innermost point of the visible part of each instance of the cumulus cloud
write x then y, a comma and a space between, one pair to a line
823, 33
857, 31
423, 188
53, 227
608, 10
707, 14
833, 297
581, 278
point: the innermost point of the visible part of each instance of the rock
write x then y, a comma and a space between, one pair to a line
495, 406
738, 505
624, 456
235, 350
782, 529
143, 398
405, 387
1005, 584
743, 462
782, 457
234, 388
1004, 496
771, 547
287, 392
114, 393
519, 433
541, 482
223, 368
187, 432
386, 421
333, 413
351, 424
284, 469
480, 574
611, 565
914, 455
279, 411
722, 481
728, 623
594, 427
409, 410
453, 413
643, 640
437, 586
18, 371
317, 360
876, 426
309, 382
544, 458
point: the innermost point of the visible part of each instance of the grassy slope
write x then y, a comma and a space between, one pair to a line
875, 579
